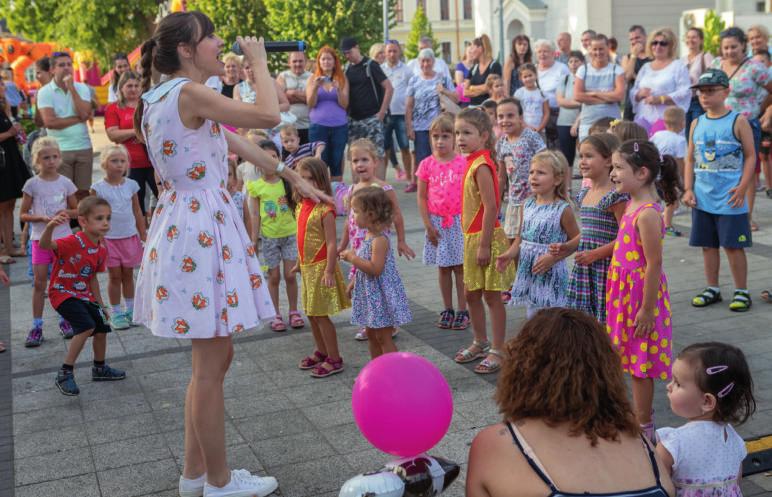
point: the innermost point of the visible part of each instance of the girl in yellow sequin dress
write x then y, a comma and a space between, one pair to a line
323, 289
484, 240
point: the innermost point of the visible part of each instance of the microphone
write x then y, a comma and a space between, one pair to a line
275, 46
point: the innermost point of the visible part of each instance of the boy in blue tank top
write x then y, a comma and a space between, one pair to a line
718, 171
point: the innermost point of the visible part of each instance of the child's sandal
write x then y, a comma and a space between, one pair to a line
278, 324
467, 355
706, 298
487, 366
312, 361
296, 320
766, 296
741, 301
328, 368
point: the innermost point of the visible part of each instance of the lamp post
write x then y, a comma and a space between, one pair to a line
385, 20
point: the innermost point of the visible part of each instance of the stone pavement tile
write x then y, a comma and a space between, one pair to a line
107, 390
162, 362
760, 482
480, 413
328, 415
48, 467
363, 461
59, 440
291, 449
455, 446
121, 453
124, 406
244, 406
311, 477
32, 384
346, 439
50, 397
250, 384
52, 417
176, 439
76, 486
139, 479
319, 392
113, 429
164, 379
166, 397
36, 359
273, 425
167, 493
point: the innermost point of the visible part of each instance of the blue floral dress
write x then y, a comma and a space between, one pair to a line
379, 301
541, 227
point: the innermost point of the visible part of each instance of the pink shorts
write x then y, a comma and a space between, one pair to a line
41, 256
126, 252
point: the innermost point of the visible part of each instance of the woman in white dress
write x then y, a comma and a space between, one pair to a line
200, 278
661, 83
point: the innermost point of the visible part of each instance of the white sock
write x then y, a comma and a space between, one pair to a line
129, 305
116, 309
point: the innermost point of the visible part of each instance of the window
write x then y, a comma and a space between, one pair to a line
467, 9
444, 10
399, 11
446, 54
761, 6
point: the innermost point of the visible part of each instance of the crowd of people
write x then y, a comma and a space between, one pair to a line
247, 175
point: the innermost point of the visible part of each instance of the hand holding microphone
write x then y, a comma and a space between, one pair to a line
270, 46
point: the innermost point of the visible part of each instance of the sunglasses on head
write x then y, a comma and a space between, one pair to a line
59, 54
661, 43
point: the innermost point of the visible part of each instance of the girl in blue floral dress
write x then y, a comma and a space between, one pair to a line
379, 302
542, 277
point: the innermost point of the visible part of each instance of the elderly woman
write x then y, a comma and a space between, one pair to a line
661, 83
568, 427
696, 60
599, 86
485, 65
758, 39
520, 54
551, 74
749, 85
423, 106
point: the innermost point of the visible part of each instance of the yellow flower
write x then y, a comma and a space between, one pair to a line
643, 347
608, 328
633, 359
626, 238
667, 361
643, 368
667, 321
653, 349
663, 376
625, 360
656, 312
629, 323
663, 357
664, 342
614, 276
654, 335
667, 304
620, 318
615, 303
616, 340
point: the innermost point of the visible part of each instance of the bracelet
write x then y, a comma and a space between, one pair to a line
280, 167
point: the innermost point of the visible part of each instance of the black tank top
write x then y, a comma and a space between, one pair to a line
655, 491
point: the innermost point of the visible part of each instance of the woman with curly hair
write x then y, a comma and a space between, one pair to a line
568, 428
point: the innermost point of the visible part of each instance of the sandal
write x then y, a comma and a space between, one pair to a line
312, 361
361, 335
487, 366
278, 324
766, 296
741, 301
328, 368
6, 259
706, 298
506, 296
296, 320
466, 355
446, 319
2, 347
754, 226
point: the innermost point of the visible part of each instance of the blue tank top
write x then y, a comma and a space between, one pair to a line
718, 163
655, 491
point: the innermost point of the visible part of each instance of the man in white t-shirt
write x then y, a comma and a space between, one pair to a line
440, 67
65, 106
293, 82
399, 74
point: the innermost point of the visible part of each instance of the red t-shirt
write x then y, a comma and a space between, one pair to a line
77, 262
123, 117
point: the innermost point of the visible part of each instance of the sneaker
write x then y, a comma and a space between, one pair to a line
120, 321
192, 487
34, 337
243, 484
446, 319
65, 328
65, 382
411, 187
462, 321
106, 373
130, 317
361, 335
672, 231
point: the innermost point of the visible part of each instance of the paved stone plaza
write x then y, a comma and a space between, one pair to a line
125, 438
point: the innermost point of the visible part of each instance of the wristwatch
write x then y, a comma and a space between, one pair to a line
280, 167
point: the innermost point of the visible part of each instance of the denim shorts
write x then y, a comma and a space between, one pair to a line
395, 125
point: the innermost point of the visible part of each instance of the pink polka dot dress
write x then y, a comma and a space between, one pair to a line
645, 357
200, 276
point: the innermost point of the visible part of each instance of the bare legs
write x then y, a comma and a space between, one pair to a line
325, 336
738, 264
643, 398
446, 286
380, 342
120, 279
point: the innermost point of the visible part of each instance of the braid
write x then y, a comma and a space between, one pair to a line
146, 62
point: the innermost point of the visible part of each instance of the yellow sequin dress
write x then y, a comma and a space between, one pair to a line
472, 210
318, 299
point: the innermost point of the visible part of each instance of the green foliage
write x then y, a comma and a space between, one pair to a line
326, 22
713, 27
234, 17
33, 19
419, 27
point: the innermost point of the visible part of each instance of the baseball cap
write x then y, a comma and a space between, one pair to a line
347, 43
712, 77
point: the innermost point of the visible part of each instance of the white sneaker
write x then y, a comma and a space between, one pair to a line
243, 484
192, 487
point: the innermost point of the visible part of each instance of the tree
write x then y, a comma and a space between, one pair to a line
234, 17
33, 19
326, 22
419, 27
714, 25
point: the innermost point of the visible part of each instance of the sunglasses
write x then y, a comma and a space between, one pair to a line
661, 43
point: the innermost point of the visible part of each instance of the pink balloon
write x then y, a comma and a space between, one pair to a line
402, 404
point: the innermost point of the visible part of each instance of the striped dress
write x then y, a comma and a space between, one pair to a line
587, 284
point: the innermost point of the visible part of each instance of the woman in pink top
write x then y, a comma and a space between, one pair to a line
440, 177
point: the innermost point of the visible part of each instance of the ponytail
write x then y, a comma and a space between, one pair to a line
146, 63
668, 181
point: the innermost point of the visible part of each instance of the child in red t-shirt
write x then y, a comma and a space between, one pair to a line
74, 288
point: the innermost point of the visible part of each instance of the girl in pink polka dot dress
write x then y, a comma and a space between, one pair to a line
637, 300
